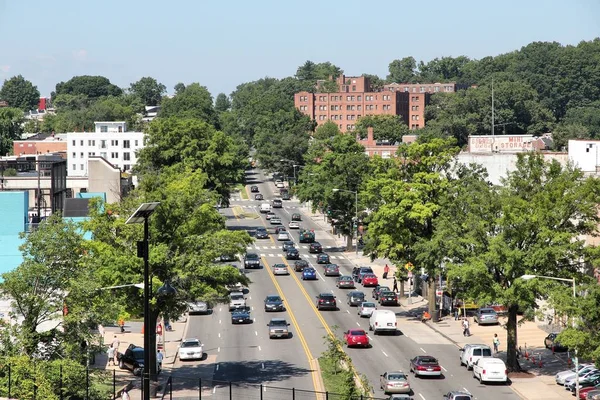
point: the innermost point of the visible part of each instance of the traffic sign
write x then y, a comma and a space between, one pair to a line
409, 266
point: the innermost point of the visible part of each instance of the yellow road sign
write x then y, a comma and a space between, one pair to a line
409, 266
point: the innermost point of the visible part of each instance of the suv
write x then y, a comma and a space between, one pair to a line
300, 265
315, 247
326, 301
456, 395
132, 359
277, 203
261, 233
236, 301
278, 328
251, 260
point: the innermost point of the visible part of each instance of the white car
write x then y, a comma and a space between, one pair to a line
270, 215
280, 269
489, 369
190, 349
283, 236
275, 221
561, 377
198, 307
279, 184
236, 301
365, 309
294, 225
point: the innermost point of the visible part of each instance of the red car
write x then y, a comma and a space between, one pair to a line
370, 280
356, 337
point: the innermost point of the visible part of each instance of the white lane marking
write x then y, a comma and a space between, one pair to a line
219, 334
214, 390
370, 338
348, 311
444, 368
253, 319
384, 353
219, 309
249, 297
273, 247
357, 324
253, 310
255, 333
422, 350
262, 365
218, 349
217, 367
318, 273
466, 390
271, 255
219, 321
332, 292
422, 396
259, 349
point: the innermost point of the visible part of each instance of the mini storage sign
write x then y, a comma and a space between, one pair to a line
500, 143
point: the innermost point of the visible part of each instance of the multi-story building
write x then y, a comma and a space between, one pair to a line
41, 143
110, 140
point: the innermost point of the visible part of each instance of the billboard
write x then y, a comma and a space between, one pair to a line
501, 143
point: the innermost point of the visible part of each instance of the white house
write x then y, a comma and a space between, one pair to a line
110, 140
585, 154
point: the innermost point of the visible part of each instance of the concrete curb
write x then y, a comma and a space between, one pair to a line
431, 326
185, 329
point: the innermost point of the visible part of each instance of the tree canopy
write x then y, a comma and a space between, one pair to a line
20, 93
149, 90
10, 128
89, 86
193, 101
385, 127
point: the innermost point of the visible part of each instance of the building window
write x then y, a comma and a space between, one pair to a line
89, 143
103, 155
126, 167
91, 153
81, 155
74, 142
114, 155
348, 127
406, 88
126, 144
114, 142
436, 89
74, 167
103, 128
126, 157
359, 98
81, 166
354, 88
74, 155
81, 142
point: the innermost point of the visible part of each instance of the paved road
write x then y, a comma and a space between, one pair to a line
240, 351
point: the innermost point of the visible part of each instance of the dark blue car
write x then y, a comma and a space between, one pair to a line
241, 316
309, 273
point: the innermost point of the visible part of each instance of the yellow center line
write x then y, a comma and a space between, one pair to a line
288, 308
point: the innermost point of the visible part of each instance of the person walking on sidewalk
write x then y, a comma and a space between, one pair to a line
496, 343
386, 271
395, 288
465, 325
115, 345
111, 355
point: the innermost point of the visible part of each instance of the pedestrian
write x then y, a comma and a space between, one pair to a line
386, 270
121, 324
496, 342
111, 355
101, 332
125, 395
455, 313
395, 284
159, 360
115, 345
465, 324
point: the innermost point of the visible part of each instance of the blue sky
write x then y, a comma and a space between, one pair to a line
221, 44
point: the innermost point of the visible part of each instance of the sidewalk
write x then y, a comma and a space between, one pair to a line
538, 384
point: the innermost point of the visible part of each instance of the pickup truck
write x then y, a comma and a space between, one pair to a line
307, 236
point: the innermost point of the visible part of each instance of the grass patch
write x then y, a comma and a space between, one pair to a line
243, 192
334, 377
239, 212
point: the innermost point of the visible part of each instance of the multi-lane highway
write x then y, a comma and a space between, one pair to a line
245, 354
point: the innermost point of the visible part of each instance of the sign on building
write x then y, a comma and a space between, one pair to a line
500, 143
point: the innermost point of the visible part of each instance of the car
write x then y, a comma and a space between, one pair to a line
383, 321
362, 271
590, 380
471, 352
265, 208
309, 273
306, 236
283, 190
425, 366
315, 247
278, 328
300, 265
261, 233
550, 342
584, 390
292, 254
561, 376
296, 217
280, 269
254, 189
344, 281
279, 229
282, 235
294, 225
366, 308
288, 244
379, 289
394, 382
403, 396
486, 316
132, 359
234, 287
355, 298
251, 260
275, 221
285, 196
227, 258
236, 301
198, 307
279, 184
274, 303
355, 273
190, 349
277, 203
259, 196
370, 280
356, 337
457, 395
323, 259
388, 299
331, 270
241, 316
326, 301
270, 215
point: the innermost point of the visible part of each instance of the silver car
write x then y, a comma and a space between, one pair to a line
486, 316
366, 309
280, 269
394, 382
198, 307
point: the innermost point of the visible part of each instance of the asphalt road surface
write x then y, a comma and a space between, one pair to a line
245, 354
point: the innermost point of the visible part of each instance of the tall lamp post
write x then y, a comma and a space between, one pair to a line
141, 215
572, 281
356, 210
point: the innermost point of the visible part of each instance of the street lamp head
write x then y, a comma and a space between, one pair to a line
166, 289
528, 277
142, 213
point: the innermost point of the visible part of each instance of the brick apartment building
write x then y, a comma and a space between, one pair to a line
356, 98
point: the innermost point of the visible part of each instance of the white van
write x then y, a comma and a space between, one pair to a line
470, 353
383, 321
265, 208
490, 370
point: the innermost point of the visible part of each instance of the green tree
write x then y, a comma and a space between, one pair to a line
403, 70
89, 86
311, 72
11, 120
149, 90
222, 103
564, 132
375, 81
20, 93
443, 69
194, 101
179, 87
385, 127
586, 115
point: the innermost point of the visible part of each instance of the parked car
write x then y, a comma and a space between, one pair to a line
296, 217
132, 359
259, 196
458, 395
315, 247
590, 380
562, 376
278, 328
331, 270
486, 316
261, 233
198, 307
425, 366
190, 349
388, 299
292, 254
550, 342
379, 289
241, 316
274, 303
323, 259
471, 352
356, 337
344, 281
254, 189
366, 308
309, 273
355, 298
280, 269
370, 280
251, 260
326, 301
394, 382
490, 370
300, 265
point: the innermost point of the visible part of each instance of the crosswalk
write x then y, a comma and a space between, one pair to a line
279, 247
250, 206
273, 254
307, 256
